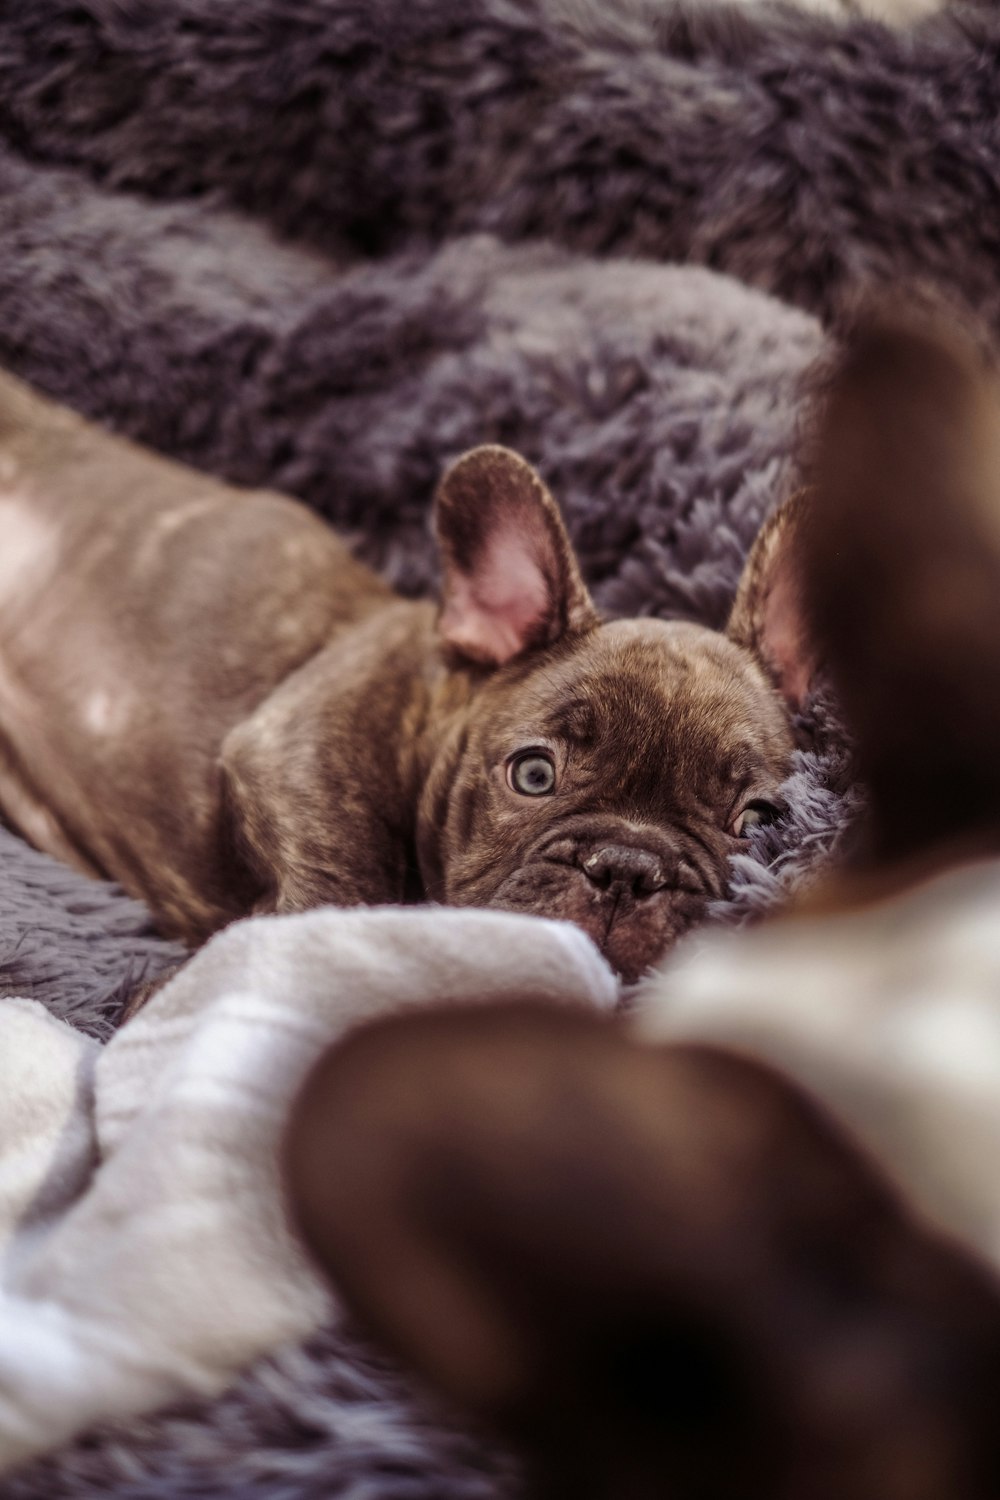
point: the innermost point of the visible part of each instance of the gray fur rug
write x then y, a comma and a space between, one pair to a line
476, 201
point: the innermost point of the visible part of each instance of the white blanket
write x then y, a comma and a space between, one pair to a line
163, 1271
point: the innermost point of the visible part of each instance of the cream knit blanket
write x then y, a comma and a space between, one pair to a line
144, 1250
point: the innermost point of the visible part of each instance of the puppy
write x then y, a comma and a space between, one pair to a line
206, 698
747, 1242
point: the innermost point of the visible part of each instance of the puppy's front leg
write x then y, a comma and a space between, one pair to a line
316, 793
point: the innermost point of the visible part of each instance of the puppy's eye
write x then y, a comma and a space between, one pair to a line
532, 774
756, 814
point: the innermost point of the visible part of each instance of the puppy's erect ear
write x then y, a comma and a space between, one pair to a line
768, 616
511, 581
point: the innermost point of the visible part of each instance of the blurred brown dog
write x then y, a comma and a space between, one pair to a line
669, 1268
204, 696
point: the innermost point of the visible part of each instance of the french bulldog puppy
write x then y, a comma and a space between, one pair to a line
205, 697
745, 1242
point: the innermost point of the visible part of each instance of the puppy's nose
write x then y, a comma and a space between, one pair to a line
622, 868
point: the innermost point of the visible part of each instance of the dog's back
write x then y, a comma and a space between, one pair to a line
128, 649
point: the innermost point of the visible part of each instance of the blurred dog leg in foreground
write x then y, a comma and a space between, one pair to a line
746, 1240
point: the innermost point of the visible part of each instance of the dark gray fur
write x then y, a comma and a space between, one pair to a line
661, 404
713, 134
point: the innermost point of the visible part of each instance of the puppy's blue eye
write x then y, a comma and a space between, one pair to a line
532, 774
756, 814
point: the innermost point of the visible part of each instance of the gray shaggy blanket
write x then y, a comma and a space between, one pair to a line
328, 244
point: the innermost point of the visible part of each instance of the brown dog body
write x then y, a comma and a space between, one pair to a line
204, 696
118, 684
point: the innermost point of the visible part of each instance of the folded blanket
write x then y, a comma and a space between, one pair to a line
165, 1271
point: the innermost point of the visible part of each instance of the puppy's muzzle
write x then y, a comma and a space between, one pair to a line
633, 889
621, 869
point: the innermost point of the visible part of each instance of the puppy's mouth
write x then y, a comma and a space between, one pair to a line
634, 936
633, 919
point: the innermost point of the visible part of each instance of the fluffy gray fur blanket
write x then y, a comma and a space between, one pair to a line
327, 244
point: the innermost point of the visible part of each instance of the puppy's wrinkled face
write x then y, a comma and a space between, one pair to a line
609, 782
602, 773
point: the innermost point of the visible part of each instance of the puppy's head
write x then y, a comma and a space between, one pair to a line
600, 772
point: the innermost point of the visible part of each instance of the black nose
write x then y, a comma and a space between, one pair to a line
621, 868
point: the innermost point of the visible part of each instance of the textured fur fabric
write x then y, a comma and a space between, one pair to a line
660, 402
415, 154
77, 946
803, 155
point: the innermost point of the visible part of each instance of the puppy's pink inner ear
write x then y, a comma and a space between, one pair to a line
769, 616
511, 581
785, 641
502, 605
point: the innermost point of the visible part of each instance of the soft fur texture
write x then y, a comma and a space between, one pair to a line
707, 133
661, 404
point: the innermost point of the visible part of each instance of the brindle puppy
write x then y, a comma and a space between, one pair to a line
205, 697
